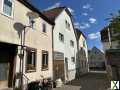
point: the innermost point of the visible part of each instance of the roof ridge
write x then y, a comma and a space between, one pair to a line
61, 7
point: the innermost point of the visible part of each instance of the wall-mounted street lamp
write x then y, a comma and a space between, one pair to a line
21, 29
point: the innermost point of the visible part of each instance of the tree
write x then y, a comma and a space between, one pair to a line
115, 28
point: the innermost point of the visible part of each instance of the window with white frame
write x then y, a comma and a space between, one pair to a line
30, 60
67, 24
44, 60
7, 7
84, 43
72, 43
61, 37
73, 59
44, 28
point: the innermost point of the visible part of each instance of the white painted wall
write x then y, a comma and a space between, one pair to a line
68, 35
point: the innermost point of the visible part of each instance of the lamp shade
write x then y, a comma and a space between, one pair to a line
32, 14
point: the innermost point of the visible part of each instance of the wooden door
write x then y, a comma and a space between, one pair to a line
59, 69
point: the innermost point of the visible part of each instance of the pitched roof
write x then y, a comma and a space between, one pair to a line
79, 33
52, 14
98, 51
31, 7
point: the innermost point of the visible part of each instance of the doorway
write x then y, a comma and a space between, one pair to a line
66, 67
59, 70
7, 60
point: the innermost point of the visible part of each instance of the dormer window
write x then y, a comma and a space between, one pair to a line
7, 7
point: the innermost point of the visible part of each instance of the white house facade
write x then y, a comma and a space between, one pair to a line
64, 40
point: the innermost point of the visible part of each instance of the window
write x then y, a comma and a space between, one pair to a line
84, 43
31, 60
44, 60
61, 37
31, 22
73, 59
7, 7
44, 28
67, 24
71, 43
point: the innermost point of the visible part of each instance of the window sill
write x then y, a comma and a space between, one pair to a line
30, 71
45, 33
61, 41
68, 29
10, 17
45, 69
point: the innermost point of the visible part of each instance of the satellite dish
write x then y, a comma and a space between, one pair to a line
33, 15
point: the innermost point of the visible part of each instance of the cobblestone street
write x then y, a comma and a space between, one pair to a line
90, 81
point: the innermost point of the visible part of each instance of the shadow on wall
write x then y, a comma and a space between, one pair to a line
19, 27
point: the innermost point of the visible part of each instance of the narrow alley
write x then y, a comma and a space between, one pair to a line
90, 81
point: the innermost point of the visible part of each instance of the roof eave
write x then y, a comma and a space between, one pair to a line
28, 5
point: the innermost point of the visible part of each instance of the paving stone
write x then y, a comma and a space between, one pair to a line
90, 81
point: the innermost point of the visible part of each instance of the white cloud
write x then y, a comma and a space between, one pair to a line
54, 6
91, 9
84, 25
77, 25
94, 35
85, 14
87, 6
92, 20
71, 10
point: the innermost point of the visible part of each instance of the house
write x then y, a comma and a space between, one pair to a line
96, 59
111, 45
65, 44
25, 44
82, 62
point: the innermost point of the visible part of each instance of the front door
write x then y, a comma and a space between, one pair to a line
7, 54
4, 68
59, 69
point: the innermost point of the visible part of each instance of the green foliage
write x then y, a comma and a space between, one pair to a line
115, 21
115, 27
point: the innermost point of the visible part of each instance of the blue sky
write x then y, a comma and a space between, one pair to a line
89, 15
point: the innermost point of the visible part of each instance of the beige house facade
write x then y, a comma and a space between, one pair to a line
82, 62
33, 34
